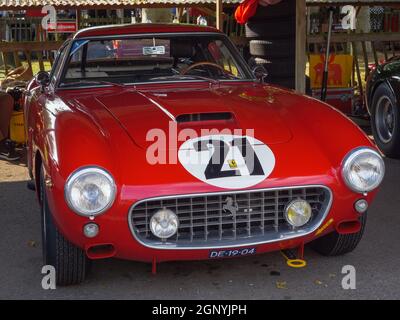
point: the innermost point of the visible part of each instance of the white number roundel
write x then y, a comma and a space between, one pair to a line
227, 161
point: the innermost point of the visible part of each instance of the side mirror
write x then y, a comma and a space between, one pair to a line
43, 78
260, 73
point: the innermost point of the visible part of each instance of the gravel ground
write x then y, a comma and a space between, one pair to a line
257, 277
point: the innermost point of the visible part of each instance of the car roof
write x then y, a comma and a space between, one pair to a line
126, 29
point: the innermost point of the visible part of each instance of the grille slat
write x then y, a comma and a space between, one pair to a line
232, 217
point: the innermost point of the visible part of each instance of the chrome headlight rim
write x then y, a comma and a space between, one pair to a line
84, 170
290, 204
174, 217
348, 161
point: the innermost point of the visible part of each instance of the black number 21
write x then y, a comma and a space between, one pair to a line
221, 149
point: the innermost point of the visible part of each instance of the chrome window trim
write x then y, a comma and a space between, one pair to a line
134, 84
151, 34
99, 86
243, 64
61, 71
295, 234
58, 62
186, 81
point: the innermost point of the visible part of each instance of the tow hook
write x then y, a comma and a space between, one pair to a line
154, 266
294, 260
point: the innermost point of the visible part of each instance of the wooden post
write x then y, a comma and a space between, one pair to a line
40, 59
179, 13
301, 39
17, 59
5, 63
78, 19
219, 15
359, 80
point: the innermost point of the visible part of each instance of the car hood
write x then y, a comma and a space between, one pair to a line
248, 108
301, 133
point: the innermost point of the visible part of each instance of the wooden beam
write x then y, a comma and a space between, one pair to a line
179, 14
206, 10
219, 15
388, 3
17, 60
351, 37
78, 18
29, 46
112, 6
359, 80
301, 39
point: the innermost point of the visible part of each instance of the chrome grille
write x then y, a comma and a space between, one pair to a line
204, 221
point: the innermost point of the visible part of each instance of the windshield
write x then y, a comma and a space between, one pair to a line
153, 59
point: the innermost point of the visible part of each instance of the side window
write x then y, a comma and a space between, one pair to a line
55, 70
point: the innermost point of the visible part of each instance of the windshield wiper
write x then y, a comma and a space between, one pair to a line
91, 83
184, 76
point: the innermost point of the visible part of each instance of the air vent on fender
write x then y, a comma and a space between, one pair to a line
197, 117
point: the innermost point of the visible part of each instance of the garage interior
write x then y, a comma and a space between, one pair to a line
280, 38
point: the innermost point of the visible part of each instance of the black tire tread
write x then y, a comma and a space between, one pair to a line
70, 262
392, 148
269, 29
335, 244
273, 49
283, 9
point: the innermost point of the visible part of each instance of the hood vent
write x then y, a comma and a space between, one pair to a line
197, 117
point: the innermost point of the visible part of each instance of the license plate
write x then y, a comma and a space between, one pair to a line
215, 254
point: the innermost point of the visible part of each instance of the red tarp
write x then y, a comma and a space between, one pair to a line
249, 7
246, 10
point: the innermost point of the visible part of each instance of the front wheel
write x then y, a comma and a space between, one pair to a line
336, 244
385, 121
69, 261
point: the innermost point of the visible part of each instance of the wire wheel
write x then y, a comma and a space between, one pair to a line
385, 121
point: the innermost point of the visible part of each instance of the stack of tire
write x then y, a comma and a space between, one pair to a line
272, 34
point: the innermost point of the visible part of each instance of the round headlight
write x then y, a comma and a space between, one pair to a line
363, 170
164, 224
90, 191
298, 213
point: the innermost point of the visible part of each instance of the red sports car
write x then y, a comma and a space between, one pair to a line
175, 150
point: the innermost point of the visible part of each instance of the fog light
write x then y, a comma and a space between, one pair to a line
361, 206
164, 224
298, 213
91, 230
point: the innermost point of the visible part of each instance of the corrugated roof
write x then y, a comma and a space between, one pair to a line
23, 4
9, 4
353, 2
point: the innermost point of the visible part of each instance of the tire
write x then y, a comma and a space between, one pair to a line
254, 61
386, 131
335, 244
259, 48
271, 29
282, 10
69, 261
283, 48
281, 68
